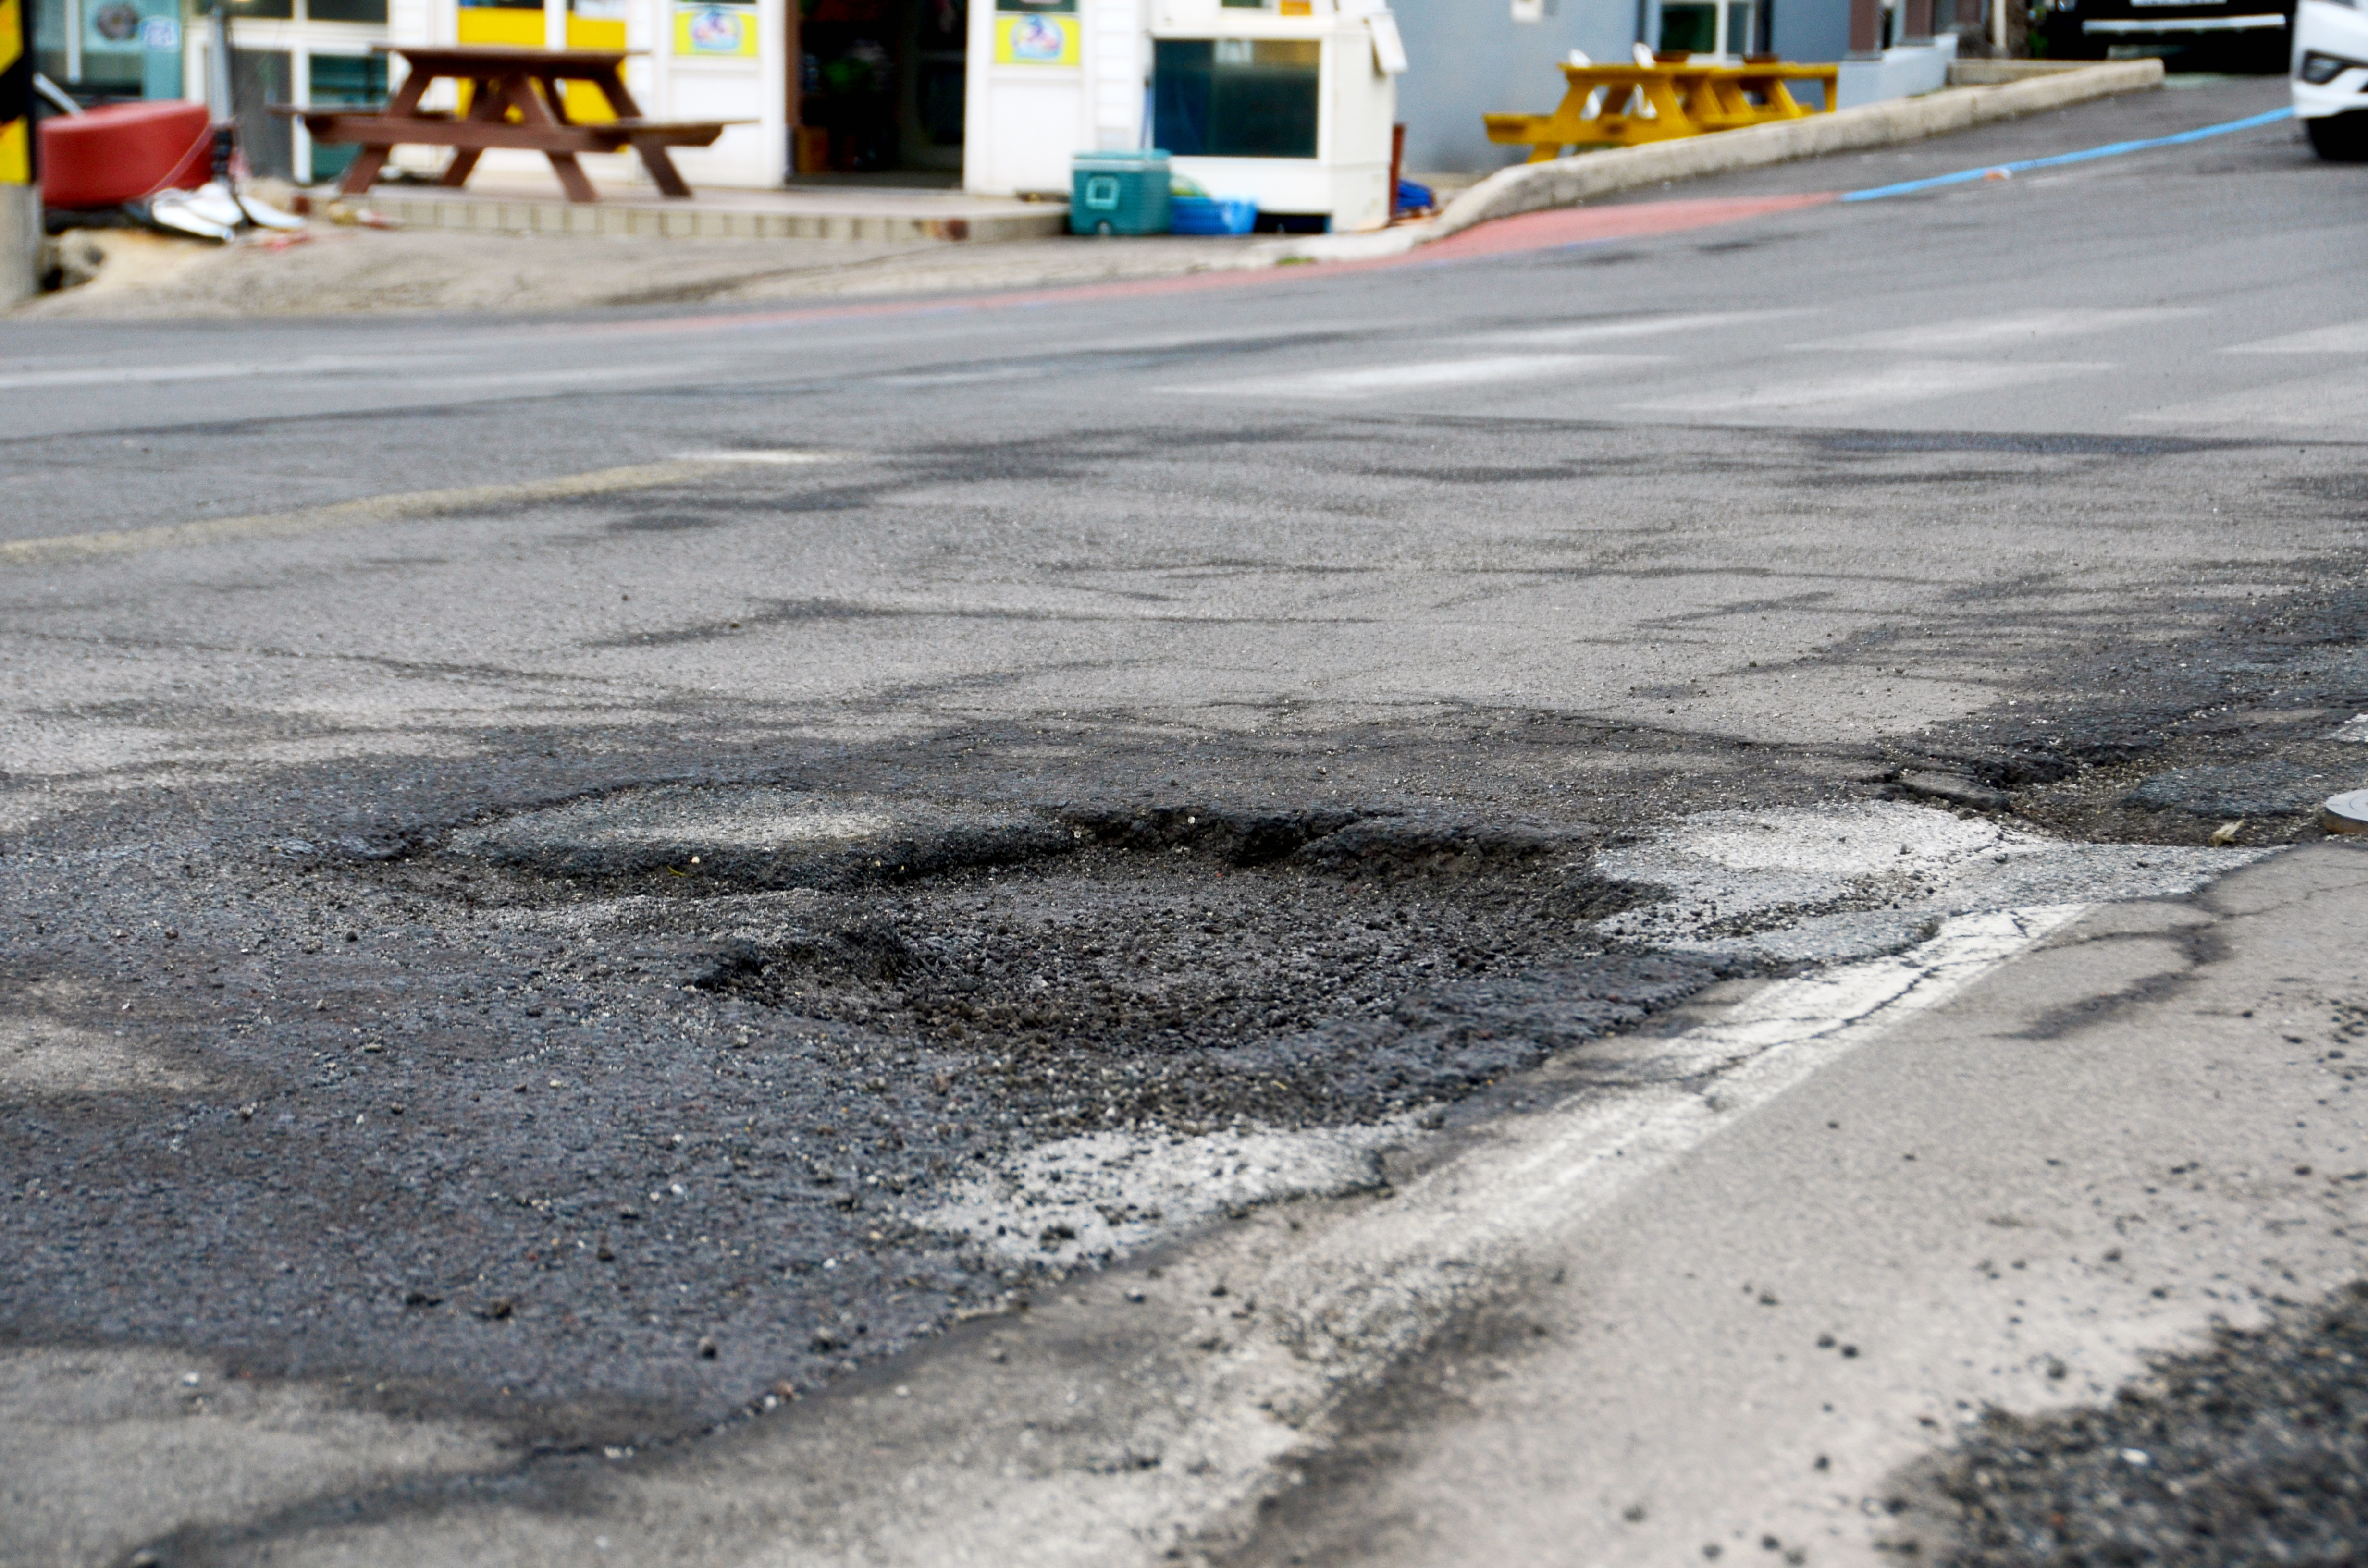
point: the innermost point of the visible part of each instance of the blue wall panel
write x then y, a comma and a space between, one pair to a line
1467, 58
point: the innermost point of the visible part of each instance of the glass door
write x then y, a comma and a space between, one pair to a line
1718, 26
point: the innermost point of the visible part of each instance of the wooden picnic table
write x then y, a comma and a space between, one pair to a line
1622, 106
514, 100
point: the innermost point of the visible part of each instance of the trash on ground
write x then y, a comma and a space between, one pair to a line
104, 157
209, 213
2347, 813
354, 215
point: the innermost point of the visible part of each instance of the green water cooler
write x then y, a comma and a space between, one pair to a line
1118, 193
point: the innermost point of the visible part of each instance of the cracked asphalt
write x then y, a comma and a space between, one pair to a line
512, 977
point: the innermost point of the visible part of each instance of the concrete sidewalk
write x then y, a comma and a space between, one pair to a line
2144, 1127
851, 212
354, 271
510, 248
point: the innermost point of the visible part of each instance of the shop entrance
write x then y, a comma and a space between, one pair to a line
880, 89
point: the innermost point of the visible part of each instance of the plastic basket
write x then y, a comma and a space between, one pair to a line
1211, 215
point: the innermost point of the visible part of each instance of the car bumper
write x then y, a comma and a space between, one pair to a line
2324, 28
2174, 27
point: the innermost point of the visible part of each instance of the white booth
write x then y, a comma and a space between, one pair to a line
1288, 104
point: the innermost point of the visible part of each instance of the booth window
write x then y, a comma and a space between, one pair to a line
1236, 97
261, 10
1723, 29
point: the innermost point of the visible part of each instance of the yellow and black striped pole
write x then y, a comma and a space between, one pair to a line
15, 93
20, 201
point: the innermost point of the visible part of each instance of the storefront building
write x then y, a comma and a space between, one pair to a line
301, 52
1271, 98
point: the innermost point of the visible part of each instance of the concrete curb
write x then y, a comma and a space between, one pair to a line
1573, 182
20, 243
508, 215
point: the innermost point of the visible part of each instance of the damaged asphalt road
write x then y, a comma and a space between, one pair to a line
529, 986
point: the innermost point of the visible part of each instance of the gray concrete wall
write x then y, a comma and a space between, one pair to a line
1810, 29
1467, 58
20, 243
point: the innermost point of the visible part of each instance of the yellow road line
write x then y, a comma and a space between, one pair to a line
378, 509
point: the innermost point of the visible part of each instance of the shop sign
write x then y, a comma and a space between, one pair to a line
715, 31
1036, 40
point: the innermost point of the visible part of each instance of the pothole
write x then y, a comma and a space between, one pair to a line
1188, 968
1117, 989
1178, 966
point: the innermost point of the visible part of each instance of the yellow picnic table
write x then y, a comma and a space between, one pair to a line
1622, 106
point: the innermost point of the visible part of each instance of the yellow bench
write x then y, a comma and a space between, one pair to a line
1623, 105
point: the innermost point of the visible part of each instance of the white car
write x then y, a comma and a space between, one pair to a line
2330, 77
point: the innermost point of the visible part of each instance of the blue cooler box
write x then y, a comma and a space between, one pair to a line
1118, 193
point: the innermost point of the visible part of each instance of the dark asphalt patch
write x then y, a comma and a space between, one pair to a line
2253, 1451
2270, 788
1103, 967
2151, 740
503, 1117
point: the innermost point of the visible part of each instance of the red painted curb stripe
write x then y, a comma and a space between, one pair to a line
1594, 225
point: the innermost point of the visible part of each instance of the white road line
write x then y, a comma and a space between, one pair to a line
1429, 375
1259, 337
216, 370
1646, 326
1378, 1283
782, 455
2337, 401
367, 510
1911, 381
2344, 338
1995, 332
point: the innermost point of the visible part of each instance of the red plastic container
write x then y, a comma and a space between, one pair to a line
120, 152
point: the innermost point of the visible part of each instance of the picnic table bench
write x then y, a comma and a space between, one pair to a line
1622, 106
514, 100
